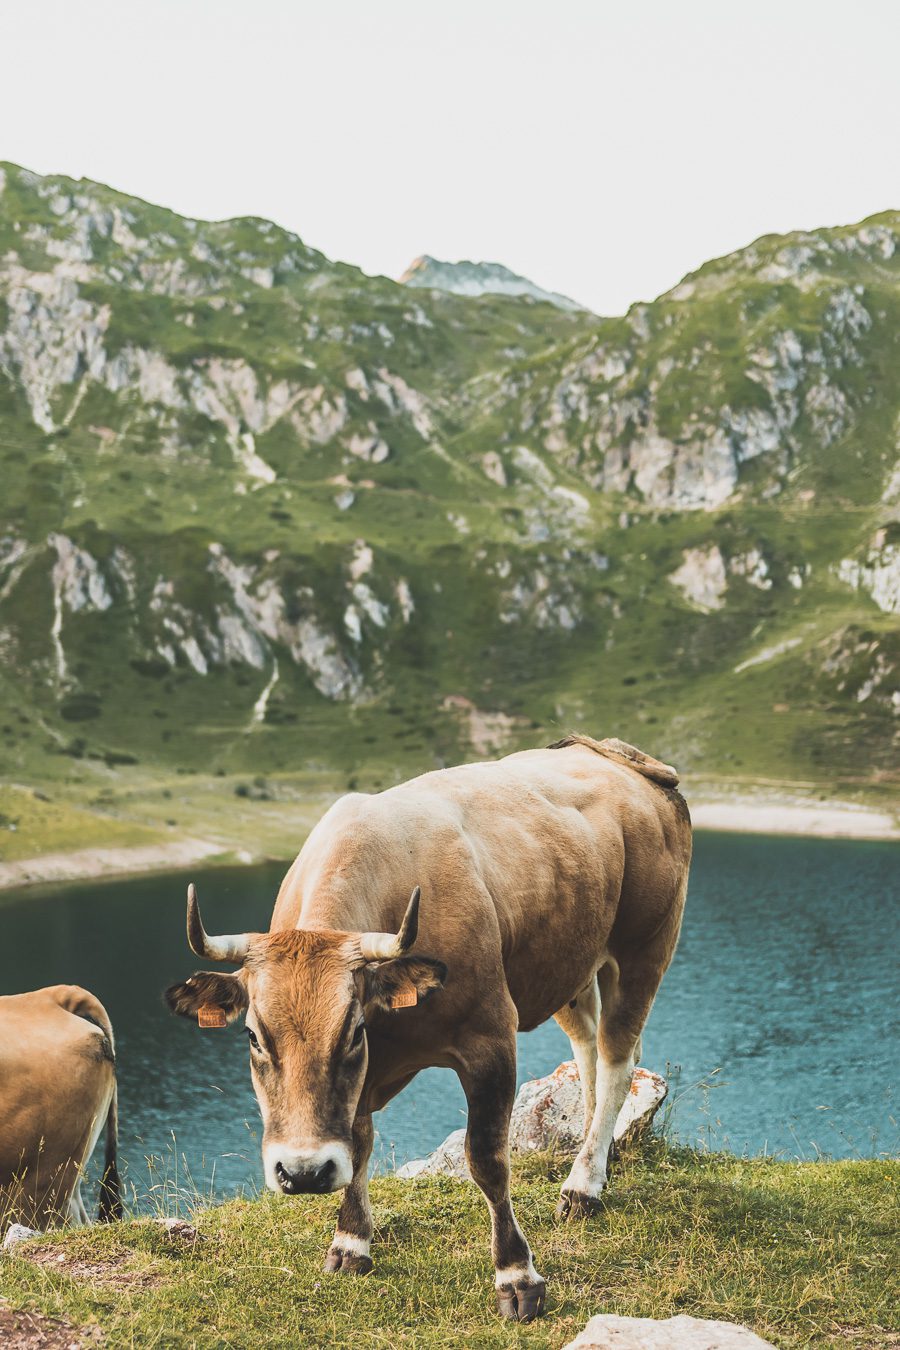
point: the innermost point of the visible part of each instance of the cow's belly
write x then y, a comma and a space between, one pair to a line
539, 993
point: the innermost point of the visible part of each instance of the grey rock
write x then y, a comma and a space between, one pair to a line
16, 1233
610, 1332
448, 1159
548, 1112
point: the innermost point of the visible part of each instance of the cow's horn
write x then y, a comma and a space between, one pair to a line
383, 946
232, 947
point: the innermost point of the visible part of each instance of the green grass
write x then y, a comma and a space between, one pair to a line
804, 1253
250, 816
32, 824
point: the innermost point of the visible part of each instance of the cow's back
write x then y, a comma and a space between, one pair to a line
541, 852
582, 853
631, 799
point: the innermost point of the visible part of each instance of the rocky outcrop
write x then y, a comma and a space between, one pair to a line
701, 578
52, 338
548, 1113
607, 1331
676, 419
703, 575
878, 575
487, 732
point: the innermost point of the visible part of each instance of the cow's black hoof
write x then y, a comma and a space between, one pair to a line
577, 1205
521, 1300
347, 1263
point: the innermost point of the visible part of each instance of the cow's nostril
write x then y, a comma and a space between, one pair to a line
285, 1180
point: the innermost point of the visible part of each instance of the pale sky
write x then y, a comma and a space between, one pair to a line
602, 149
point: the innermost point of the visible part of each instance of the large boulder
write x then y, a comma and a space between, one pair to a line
609, 1332
548, 1113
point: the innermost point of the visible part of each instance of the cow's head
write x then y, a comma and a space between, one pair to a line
306, 995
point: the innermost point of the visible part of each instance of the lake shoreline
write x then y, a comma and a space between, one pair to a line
101, 864
796, 818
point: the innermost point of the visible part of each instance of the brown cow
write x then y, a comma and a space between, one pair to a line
541, 875
57, 1095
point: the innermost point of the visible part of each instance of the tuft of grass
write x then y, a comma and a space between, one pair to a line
805, 1254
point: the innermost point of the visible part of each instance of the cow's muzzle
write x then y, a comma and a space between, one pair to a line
311, 1181
307, 1171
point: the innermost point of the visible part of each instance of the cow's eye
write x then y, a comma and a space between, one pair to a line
358, 1036
252, 1037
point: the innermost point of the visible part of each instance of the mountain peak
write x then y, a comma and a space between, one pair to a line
478, 278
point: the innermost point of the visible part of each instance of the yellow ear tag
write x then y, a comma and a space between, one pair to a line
407, 996
208, 1015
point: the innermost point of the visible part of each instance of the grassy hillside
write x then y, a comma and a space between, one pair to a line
264, 514
805, 1254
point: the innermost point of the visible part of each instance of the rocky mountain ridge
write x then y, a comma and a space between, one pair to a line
478, 278
291, 512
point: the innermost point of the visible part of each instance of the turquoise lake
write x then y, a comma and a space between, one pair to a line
776, 1023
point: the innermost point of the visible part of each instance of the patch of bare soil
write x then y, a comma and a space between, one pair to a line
26, 1330
869, 1338
114, 1268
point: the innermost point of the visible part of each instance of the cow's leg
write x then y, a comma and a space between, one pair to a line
578, 1020
626, 996
77, 1212
349, 1250
489, 1082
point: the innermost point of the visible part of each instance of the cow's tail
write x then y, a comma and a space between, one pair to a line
84, 1004
110, 1194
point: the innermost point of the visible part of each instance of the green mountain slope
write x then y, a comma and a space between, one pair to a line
260, 510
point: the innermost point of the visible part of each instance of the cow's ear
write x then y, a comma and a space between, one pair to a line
403, 982
210, 990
